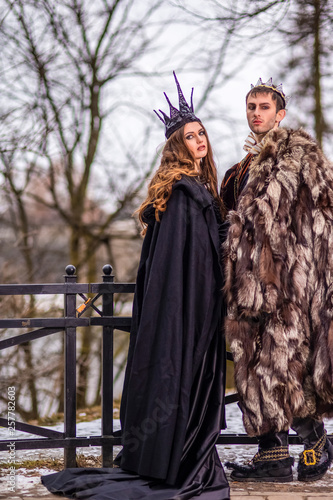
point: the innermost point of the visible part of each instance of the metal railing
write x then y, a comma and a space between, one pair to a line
71, 320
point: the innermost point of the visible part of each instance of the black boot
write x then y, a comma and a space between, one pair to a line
271, 464
317, 456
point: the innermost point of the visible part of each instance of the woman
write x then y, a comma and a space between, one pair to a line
173, 399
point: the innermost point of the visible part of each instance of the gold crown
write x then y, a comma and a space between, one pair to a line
276, 88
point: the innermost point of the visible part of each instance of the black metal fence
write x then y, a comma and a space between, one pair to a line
71, 320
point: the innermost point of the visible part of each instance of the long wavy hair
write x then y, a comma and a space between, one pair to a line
176, 162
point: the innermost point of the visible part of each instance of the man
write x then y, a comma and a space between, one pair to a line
279, 288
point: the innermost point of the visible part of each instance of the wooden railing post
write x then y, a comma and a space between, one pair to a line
107, 372
70, 371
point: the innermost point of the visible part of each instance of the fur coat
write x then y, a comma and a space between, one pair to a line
279, 285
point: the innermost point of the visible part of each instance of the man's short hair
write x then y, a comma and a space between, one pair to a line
280, 104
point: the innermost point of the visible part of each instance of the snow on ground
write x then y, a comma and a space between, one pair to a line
27, 479
93, 428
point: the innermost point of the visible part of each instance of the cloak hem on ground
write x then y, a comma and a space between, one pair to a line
173, 399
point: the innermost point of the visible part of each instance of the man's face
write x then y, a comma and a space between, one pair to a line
261, 113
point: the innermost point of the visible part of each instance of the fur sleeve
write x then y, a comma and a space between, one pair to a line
270, 249
259, 245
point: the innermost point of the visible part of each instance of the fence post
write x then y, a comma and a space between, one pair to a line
70, 371
107, 372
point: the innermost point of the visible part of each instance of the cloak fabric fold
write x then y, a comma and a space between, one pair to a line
173, 399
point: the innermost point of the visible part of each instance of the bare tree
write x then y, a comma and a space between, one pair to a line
61, 64
308, 66
232, 33
64, 58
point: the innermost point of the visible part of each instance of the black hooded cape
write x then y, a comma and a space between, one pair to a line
173, 399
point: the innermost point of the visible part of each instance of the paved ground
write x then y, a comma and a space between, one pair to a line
252, 492
28, 487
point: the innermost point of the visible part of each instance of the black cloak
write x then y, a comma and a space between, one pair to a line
173, 399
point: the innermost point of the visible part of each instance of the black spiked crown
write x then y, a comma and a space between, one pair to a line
178, 117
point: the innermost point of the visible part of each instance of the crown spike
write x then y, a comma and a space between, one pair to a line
183, 106
287, 99
180, 117
164, 118
192, 99
156, 113
173, 110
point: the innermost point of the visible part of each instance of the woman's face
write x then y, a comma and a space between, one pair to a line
196, 140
